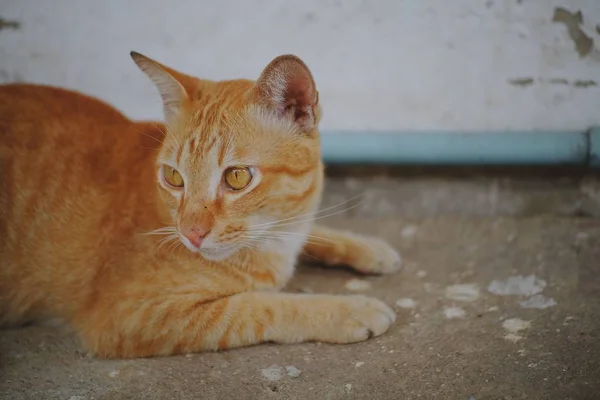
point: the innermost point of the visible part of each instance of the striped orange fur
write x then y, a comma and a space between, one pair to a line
134, 234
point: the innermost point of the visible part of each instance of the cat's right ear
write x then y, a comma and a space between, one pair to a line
286, 87
175, 88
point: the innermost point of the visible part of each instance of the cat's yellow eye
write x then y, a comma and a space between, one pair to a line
238, 178
172, 176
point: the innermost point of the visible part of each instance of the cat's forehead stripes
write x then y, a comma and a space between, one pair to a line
179, 154
209, 117
216, 102
198, 145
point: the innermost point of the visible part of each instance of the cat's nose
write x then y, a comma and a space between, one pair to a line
196, 235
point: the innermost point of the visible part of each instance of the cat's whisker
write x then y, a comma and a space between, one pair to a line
174, 244
315, 213
150, 136
165, 232
165, 228
306, 242
248, 244
167, 240
299, 217
277, 234
255, 242
158, 128
274, 225
161, 231
271, 239
172, 139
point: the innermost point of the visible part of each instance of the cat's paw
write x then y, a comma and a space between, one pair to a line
375, 256
360, 318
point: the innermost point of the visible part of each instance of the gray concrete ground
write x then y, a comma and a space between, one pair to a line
499, 298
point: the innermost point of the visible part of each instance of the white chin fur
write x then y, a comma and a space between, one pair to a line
211, 254
188, 245
216, 254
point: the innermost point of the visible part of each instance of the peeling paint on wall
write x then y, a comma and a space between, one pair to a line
584, 84
583, 43
521, 81
580, 83
7, 24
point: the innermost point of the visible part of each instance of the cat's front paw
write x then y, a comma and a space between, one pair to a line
359, 318
375, 256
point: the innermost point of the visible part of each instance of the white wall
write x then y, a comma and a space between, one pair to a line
393, 64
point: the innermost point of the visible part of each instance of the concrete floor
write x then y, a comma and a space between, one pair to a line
467, 243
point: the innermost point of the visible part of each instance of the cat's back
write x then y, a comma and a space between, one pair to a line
51, 140
35, 118
70, 165
52, 136
30, 102
41, 125
63, 150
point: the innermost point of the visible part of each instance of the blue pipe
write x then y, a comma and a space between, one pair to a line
463, 148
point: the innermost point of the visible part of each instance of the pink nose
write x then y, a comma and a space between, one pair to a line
196, 235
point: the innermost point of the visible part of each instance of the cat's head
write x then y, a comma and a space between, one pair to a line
240, 165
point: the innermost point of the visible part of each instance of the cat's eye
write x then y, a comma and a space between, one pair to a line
172, 176
238, 178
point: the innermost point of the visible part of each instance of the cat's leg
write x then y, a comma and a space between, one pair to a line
363, 253
185, 324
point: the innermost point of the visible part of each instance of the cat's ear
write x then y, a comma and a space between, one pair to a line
175, 88
287, 88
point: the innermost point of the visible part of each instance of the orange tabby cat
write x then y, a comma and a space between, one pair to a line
230, 184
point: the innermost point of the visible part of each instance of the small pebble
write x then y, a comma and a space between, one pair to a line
406, 303
454, 312
517, 286
538, 301
463, 292
358, 285
292, 371
273, 373
514, 326
408, 231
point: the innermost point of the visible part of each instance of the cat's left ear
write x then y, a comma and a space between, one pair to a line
175, 88
286, 87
